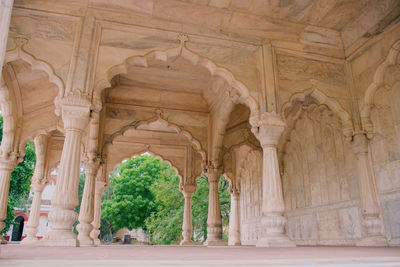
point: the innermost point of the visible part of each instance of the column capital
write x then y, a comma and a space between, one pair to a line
234, 190
213, 173
188, 189
76, 110
359, 143
268, 129
38, 187
9, 160
91, 163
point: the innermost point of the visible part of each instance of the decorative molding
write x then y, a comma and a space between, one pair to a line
36, 64
378, 81
159, 117
183, 51
321, 99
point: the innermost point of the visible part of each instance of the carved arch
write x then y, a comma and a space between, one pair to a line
141, 152
378, 81
321, 99
194, 142
236, 88
36, 64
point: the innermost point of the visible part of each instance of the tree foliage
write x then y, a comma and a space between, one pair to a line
20, 181
132, 201
146, 185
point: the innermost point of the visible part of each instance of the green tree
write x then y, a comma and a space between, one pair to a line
20, 181
165, 224
132, 201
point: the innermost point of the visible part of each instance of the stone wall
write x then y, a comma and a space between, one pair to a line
384, 116
320, 181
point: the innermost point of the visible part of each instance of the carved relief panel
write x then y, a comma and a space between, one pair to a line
250, 197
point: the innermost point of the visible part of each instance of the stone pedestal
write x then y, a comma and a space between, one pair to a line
94, 234
86, 213
268, 131
75, 114
187, 191
368, 196
234, 219
214, 223
7, 164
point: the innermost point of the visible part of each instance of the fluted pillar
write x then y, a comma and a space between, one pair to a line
214, 223
75, 115
94, 234
368, 196
268, 131
86, 212
234, 218
7, 164
38, 183
187, 191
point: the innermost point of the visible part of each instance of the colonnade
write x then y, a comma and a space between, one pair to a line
65, 198
78, 111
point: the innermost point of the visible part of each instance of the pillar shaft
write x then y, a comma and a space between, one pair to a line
7, 164
38, 183
34, 216
368, 196
187, 191
273, 222
234, 220
214, 223
94, 234
75, 114
86, 213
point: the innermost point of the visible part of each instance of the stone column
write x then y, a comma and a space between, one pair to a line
268, 131
187, 191
94, 234
7, 164
34, 216
86, 213
5, 15
234, 218
368, 196
214, 223
39, 181
75, 115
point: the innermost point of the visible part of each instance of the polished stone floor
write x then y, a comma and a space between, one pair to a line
119, 255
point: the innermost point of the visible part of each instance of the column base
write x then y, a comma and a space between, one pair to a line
86, 242
60, 238
213, 243
234, 243
373, 241
96, 242
3, 241
275, 241
186, 243
29, 241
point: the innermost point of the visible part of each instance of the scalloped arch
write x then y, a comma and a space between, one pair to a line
36, 64
194, 142
322, 99
183, 51
141, 152
378, 81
